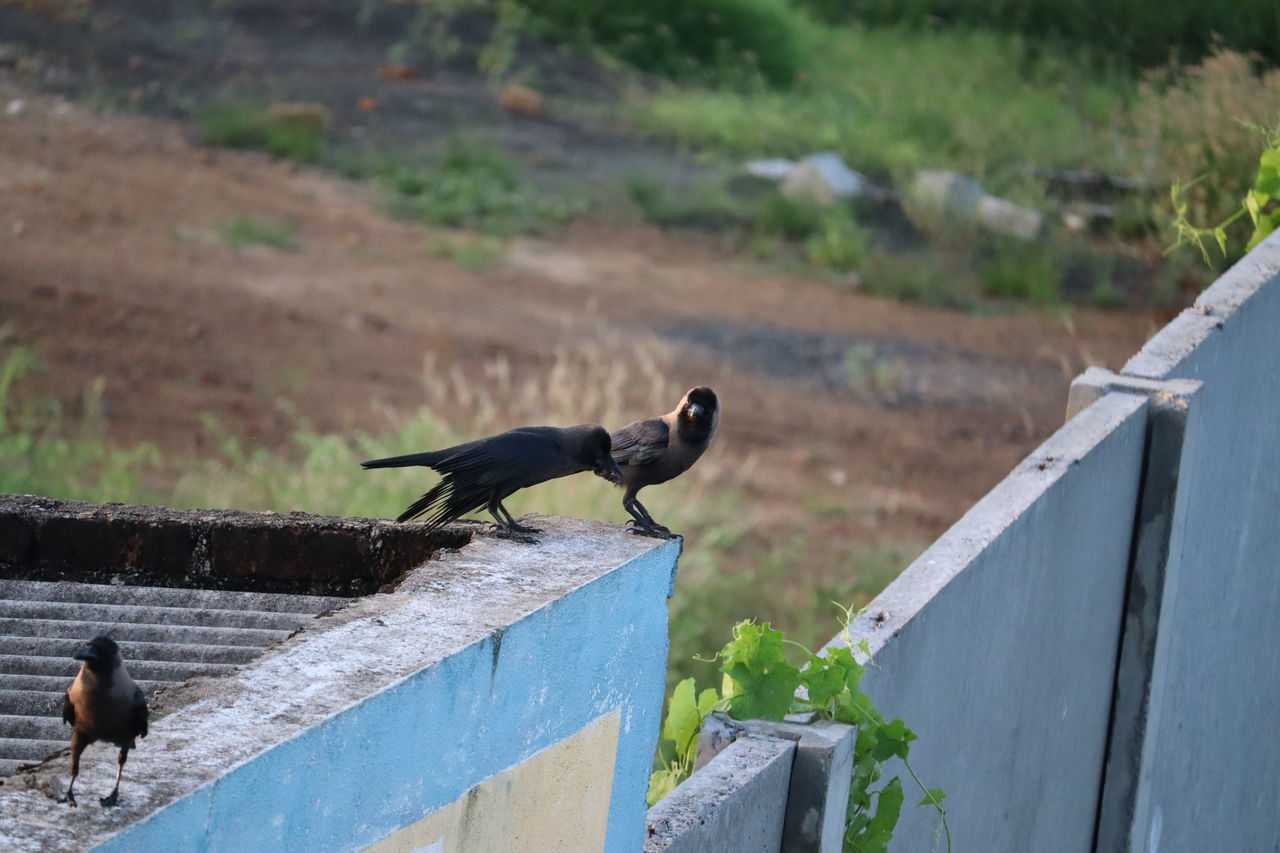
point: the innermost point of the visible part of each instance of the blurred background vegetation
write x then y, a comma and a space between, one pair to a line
1049, 104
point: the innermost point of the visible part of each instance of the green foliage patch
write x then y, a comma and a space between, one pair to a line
730, 42
245, 230
760, 683
248, 125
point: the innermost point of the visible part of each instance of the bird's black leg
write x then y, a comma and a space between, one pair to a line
111, 799
644, 524
507, 525
512, 524
78, 745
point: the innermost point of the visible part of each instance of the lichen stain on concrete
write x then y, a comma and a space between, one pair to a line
496, 638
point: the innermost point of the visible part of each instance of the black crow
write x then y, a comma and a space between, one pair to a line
483, 473
656, 450
103, 703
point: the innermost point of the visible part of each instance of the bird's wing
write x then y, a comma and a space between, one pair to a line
140, 713
68, 710
640, 442
502, 462
494, 460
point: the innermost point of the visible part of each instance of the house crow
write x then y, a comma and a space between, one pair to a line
485, 472
656, 450
103, 703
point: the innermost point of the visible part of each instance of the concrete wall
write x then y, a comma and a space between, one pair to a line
1210, 766
504, 697
999, 643
1091, 656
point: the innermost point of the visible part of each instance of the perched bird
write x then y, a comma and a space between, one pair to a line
658, 449
103, 703
485, 472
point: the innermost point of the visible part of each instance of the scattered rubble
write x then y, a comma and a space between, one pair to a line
962, 197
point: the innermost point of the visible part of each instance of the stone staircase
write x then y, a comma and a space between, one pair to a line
166, 636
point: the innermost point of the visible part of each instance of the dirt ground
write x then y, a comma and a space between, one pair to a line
111, 266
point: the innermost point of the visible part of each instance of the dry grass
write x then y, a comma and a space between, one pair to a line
1200, 122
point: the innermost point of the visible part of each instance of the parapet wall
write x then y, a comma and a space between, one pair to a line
502, 697
49, 539
1090, 655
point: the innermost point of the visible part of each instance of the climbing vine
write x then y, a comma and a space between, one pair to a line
1261, 203
759, 683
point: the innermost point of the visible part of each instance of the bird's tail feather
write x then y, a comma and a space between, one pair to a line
428, 459
447, 501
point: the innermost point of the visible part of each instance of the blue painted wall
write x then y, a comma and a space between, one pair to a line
417, 746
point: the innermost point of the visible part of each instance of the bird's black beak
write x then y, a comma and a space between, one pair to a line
696, 410
608, 469
86, 652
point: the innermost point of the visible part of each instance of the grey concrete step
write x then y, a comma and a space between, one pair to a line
141, 632
39, 727
166, 636
148, 670
186, 599
37, 703
75, 611
61, 648
29, 750
58, 684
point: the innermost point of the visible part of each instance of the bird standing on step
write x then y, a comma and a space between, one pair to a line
103, 703
656, 450
486, 472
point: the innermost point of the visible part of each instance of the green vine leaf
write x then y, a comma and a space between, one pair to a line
892, 740
879, 830
762, 683
932, 797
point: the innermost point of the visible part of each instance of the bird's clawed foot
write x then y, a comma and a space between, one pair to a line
110, 799
655, 530
69, 799
516, 533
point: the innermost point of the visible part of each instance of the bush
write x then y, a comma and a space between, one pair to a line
473, 186
726, 40
1023, 271
1195, 124
840, 244
1144, 32
292, 131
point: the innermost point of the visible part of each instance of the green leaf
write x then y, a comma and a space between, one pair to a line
683, 717
707, 700
763, 683
893, 739
828, 675
879, 831
661, 783
1266, 225
933, 797
857, 709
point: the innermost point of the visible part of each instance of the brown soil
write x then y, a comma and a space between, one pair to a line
111, 266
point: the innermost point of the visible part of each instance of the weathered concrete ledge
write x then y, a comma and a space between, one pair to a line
735, 804
50, 539
379, 716
1216, 310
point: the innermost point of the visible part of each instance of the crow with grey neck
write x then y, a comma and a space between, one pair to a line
103, 703
659, 449
486, 472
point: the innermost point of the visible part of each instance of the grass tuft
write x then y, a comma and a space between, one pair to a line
245, 230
